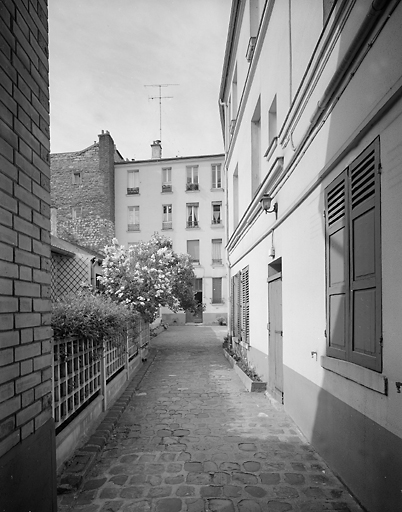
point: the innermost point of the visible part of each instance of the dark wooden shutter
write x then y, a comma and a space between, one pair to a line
245, 306
365, 261
337, 266
236, 306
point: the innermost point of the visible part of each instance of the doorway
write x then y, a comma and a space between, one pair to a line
275, 330
197, 317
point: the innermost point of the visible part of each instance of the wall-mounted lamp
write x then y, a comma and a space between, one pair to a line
266, 201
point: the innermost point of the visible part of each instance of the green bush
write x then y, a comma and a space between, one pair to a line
91, 317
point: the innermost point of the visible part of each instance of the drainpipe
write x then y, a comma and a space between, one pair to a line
377, 6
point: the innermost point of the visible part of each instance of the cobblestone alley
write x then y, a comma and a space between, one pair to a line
192, 439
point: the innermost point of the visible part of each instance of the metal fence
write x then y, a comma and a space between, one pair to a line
81, 371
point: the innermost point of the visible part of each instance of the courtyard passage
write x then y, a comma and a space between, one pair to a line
192, 439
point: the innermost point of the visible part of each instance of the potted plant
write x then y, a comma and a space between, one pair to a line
245, 371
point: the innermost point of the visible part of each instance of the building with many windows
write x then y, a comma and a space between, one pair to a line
312, 121
183, 199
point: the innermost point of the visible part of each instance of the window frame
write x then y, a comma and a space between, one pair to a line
167, 216
192, 177
192, 210
196, 258
218, 221
135, 189
135, 226
352, 211
75, 175
216, 176
219, 242
74, 211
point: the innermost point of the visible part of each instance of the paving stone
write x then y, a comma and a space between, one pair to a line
169, 505
248, 506
210, 490
132, 492
198, 478
270, 478
160, 492
195, 505
252, 466
244, 478
294, 478
221, 505
279, 506
255, 491
174, 480
112, 506
94, 484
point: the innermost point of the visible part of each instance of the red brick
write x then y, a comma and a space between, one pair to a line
41, 248
6, 320
43, 389
6, 253
27, 429
6, 217
26, 289
6, 286
26, 335
47, 318
10, 407
26, 367
6, 357
27, 320
40, 276
23, 226
27, 382
7, 167
8, 202
42, 333
8, 134
25, 242
10, 339
27, 397
8, 304
6, 185
25, 181
6, 427
6, 149
42, 305
25, 305
9, 372
25, 274
42, 362
46, 346
27, 258
9, 236
6, 391
28, 168
25, 150
27, 197
28, 413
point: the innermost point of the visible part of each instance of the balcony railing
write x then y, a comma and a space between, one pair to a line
133, 227
167, 225
192, 186
192, 223
133, 191
166, 187
217, 261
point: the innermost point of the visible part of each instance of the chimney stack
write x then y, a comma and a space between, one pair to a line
156, 150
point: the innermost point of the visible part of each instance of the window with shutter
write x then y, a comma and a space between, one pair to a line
245, 295
352, 204
236, 305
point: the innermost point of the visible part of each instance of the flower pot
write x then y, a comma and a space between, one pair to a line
249, 384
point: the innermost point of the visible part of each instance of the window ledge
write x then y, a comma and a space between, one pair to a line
363, 376
217, 189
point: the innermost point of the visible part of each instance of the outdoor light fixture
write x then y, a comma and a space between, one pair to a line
266, 201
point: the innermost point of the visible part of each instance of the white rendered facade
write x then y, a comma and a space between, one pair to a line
311, 94
182, 198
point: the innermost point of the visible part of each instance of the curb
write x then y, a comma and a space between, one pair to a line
85, 457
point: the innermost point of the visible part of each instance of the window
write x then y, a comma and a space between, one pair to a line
166, 179
192, 215
216, 212
240, 306
77, 178
353, 265
216, 176
133, 182
256, 148
217, 251
76, 212
216, 290
192, 177
193, 249
133, 218
236, 197
167, 216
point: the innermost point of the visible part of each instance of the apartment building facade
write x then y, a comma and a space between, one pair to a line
182, 198
312, 122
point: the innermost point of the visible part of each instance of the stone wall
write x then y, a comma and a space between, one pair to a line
27, 453
94, 193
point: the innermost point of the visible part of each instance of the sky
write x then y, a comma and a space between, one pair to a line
104, 52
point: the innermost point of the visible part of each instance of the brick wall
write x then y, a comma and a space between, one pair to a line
94, 194
25, 333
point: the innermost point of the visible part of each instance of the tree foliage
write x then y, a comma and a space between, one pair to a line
149, 275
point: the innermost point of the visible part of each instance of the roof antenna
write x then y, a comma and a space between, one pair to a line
160, 98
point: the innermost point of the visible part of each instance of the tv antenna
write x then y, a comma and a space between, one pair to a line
160, 98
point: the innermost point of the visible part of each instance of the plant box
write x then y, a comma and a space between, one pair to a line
250, 385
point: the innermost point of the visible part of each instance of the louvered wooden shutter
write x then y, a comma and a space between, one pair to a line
245, 306
365, 261
337, 266
236, 305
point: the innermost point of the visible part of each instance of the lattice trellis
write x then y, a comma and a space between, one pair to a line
68, 274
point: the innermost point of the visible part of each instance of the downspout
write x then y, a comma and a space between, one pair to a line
377, 6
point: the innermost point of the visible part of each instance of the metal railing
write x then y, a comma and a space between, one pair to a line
82, 370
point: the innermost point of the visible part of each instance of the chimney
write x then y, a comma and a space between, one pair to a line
156, 150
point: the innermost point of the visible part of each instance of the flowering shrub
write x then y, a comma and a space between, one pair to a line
149, 275
90, 317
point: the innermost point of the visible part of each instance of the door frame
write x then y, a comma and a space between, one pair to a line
275, 339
